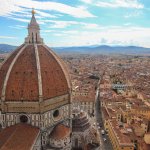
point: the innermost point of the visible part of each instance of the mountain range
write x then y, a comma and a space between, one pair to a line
97, 49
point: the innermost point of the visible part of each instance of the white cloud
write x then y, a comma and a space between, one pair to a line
44, 14
27, 20
17, 27
121, 3
61, 24
58, 34
20, 19
8, 7
87, 1
7, 37
133, 14
47, 31
27, 14
115, 3
91, 26
113, 36
71, 32
64, 24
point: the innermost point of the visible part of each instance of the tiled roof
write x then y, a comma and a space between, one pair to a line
18, 137
5, 66
54, 81
23, 82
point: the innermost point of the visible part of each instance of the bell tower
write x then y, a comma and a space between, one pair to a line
33, 31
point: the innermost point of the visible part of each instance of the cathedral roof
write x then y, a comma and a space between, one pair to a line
33, 72
23, 78
18, 137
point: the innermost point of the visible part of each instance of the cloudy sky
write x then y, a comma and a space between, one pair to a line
78, 22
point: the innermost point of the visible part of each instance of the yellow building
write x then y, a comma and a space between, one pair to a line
145, 111
118, 136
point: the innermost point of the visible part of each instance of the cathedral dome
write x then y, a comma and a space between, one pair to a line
33, 78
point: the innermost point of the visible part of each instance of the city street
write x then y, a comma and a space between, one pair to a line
104, 139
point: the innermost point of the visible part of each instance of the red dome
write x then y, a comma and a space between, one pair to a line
31, 73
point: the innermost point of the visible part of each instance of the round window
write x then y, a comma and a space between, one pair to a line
23, 119
56, 113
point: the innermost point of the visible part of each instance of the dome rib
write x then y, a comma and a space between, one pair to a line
9, 71
38, 73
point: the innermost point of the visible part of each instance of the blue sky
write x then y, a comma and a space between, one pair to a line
78, 22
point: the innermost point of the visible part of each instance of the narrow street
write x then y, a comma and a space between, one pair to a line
104, 139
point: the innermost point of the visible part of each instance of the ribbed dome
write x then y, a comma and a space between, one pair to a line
28, 76
33, 73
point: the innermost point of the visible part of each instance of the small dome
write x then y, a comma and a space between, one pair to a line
60, 132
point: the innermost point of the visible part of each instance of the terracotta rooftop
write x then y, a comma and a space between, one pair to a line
84, 98
18, 137
122, 138
144, 145
105, 113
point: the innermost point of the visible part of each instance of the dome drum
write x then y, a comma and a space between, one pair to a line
36, 107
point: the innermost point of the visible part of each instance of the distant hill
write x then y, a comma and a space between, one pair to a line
102, 49
5, 48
